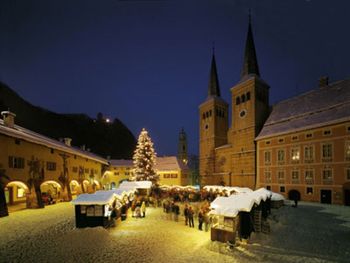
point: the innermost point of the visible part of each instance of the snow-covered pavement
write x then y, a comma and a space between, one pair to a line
309, 233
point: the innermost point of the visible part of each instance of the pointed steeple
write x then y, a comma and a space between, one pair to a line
250, 63
213, 88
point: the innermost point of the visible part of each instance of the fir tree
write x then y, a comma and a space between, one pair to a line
144, 159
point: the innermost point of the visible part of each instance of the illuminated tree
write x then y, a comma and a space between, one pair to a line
144, 159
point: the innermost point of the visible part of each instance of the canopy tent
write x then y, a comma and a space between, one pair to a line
277, 197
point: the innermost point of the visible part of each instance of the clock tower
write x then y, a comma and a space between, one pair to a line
250, 109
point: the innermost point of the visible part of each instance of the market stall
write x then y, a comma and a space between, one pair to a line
98, 209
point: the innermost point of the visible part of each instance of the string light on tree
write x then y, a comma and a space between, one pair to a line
144, 159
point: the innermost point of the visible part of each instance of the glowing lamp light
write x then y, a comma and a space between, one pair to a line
108, 120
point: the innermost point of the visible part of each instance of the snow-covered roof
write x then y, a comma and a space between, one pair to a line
98, 198
118, 192
33, 137
232, 205
228, 189
127, 186
121, 162
169, 163
316, 108
277, 197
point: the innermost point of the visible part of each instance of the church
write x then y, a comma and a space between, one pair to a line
299, 147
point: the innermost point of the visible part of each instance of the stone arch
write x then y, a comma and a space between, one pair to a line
51, 191
294, 194
16, 193
75, 187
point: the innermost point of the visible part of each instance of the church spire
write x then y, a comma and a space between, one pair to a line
213, 88
250, 63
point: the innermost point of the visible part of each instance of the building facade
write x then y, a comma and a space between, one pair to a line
252, 150
33, 165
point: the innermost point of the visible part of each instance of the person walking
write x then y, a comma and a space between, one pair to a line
143, 209
206, 219
186, 214
190, 217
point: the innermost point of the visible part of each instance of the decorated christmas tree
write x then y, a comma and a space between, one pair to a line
144, 159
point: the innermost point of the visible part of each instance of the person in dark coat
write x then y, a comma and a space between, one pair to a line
186, 214
246, 225
190, 216
200, 219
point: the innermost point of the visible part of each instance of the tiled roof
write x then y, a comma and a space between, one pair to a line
33, 137
316, 108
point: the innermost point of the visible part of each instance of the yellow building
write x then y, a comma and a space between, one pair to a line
299, 147
171, 171
304, 146
33, 165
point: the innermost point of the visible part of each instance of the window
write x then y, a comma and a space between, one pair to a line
127, 173
267, 176
52, 150
347, 150
248, 95
309, 135
309, 175
295, 175
267, 157
327, 152
295, 154
267, 142
327, 174
348, 174
268, 187
243, 98
17, 141
116, 173
207, 114
282, 189
16, 162
87, 170
280, 156
173, 175
295, 138
309, 153
238, 100
280, 175
309, 190
74, 169
51, 166
327, 132
281, 140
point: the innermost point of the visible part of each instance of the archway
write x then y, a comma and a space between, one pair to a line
51, 192
75, 188
294, 195
87, 187
346, 189
113, 185
16, 195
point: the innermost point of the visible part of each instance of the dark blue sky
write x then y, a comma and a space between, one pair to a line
148, 62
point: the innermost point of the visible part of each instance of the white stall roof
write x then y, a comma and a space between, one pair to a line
135, 185
277, 197
228, 188
100, 198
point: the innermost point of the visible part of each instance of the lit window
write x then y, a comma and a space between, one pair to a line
295, 154
309, 190
16, 162
267, 176
51, 166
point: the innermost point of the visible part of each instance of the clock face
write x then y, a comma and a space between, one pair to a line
242, 113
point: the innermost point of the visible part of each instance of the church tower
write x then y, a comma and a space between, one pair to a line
213, 126
182, 147
250, 109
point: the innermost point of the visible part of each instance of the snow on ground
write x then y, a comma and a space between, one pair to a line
309, 233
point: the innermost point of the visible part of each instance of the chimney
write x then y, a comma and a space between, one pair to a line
323, 82
67, 141
9, 118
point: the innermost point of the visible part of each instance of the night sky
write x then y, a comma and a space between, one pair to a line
147, 62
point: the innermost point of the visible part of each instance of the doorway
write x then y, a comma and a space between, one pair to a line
326, 196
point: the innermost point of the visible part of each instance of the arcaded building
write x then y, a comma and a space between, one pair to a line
299, 147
